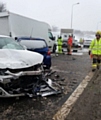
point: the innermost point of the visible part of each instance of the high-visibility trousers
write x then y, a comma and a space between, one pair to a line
96, 61
60, 49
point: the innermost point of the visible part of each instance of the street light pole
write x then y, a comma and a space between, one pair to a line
72, 13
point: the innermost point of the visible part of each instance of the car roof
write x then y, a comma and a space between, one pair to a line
30, 38
4, 36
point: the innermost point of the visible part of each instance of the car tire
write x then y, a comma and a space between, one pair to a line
54, 48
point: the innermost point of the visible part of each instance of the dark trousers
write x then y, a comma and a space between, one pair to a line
96, 61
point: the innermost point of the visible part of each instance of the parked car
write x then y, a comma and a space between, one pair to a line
87, 42
76, 44
64, 44
19, 68
37, 45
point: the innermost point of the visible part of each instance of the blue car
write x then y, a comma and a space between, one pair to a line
37, 45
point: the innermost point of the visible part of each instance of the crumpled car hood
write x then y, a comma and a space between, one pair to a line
16, 59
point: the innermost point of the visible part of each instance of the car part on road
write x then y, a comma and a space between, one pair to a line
51, 88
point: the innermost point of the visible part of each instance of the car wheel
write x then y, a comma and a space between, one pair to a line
54, 48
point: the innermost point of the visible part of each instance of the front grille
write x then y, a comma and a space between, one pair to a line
2, 71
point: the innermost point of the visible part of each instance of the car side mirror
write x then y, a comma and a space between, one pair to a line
16, 38
54, 38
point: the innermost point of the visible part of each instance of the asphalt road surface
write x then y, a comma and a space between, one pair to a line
88, 106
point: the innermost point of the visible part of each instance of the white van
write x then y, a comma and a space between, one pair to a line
15, 25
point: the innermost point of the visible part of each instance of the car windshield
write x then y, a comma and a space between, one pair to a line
50, 35
33, 44
9, 43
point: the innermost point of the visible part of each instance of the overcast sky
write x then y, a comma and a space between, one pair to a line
86, 15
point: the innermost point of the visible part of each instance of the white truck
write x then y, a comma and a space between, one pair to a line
15, 25
65, 33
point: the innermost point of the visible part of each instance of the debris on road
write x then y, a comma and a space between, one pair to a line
49, 88
35, 84
46, 86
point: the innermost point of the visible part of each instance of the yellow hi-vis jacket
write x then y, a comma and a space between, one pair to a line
59, 42
95, 47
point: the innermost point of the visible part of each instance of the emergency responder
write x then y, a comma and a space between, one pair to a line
59, 43
81, 41
69, 45
95, 50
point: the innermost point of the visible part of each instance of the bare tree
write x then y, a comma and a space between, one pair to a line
2, 7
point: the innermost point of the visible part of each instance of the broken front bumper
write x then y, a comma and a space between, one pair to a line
27, 83
18, 84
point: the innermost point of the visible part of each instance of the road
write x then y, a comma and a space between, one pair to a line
72, 68
88, 105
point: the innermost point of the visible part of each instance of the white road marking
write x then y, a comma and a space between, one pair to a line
67, 106
77, 53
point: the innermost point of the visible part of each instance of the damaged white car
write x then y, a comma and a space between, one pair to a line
19, 69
